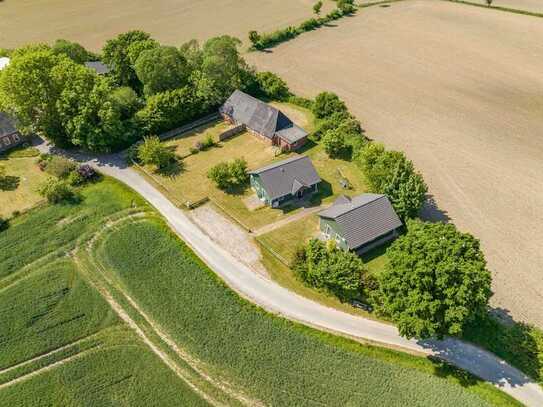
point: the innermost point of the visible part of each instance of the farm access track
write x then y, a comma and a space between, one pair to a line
217, 392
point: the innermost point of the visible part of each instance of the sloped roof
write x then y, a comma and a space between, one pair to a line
98, 66
4, 61
363, 218
261, 117
7, 124
287, 176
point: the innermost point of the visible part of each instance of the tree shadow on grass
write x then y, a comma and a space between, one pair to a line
9, 183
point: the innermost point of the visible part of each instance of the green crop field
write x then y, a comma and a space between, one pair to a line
100, 304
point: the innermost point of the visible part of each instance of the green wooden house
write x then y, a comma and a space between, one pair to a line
360, 223
284, 181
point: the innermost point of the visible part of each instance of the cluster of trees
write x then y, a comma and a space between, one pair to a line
151, 88
435, 281
325, 266
266, 40
229, 175
338, 131
391, 173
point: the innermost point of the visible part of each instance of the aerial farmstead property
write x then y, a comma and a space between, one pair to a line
283, 181
360, 223
263, 120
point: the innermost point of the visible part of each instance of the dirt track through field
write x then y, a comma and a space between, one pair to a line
460, 89
170, 21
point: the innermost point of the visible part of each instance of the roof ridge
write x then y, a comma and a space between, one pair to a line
379, 196
279, 163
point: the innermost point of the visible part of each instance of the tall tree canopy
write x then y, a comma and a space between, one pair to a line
435, 281
72, 50
116, 55
391, 173
160, 69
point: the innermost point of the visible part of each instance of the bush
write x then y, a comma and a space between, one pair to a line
87, 172
229, 175
75, 179
328, 267
56, 191
435, 281
326, 104
59, 167
207, 143
4, 224
43, 160
391, 173
272, 86
153, 152
334, 143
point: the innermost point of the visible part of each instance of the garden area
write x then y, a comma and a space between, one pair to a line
20, 182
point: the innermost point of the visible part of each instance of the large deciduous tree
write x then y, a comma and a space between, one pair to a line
161, 69
72, 50
435, 281
116, 55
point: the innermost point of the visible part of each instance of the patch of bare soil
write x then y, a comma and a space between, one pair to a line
230, 236
460, 89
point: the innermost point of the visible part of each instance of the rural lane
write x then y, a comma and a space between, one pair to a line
278, 300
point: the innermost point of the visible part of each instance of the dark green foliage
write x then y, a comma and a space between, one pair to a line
126, 102
271, 86
328, 103
115, 54
160, 69
391, 173
328, 267
346, 6
57, 191
153, 152
168, 110
317, 7
4, 224
229, 175
435, 281
72, 50
519, 344
137, 48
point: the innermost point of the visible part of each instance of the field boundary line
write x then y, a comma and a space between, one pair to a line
498, 8
50, 353
47, 368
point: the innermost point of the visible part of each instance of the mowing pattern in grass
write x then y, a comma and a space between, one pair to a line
272, 359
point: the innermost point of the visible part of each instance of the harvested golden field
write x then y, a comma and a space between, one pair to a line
460, 89
169, 21
535, 6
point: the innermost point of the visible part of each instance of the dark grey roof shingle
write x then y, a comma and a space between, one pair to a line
7, 124
261, 117
287, 176
363, 218
98, 66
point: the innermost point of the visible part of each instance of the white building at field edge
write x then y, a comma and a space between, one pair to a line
4, 61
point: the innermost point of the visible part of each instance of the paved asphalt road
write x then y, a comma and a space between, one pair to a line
276, 299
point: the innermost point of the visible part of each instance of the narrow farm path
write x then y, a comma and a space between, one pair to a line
285, 221
276, 299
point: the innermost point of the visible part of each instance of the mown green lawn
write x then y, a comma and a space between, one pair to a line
275, 361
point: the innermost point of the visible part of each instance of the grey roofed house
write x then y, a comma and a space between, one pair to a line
98, 66
284, 180
263, 119
9, 136
360, 223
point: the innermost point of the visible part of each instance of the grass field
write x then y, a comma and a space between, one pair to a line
171, 22
27, 177
458, 88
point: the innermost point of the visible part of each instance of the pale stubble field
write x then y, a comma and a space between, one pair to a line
460, 89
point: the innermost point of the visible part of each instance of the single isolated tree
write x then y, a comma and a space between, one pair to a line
435, 281
153, 152
328, 103
489, 2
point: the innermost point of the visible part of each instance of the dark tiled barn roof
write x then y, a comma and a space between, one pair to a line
7, 124
287, 176
363, 218
261, 117
98, 66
